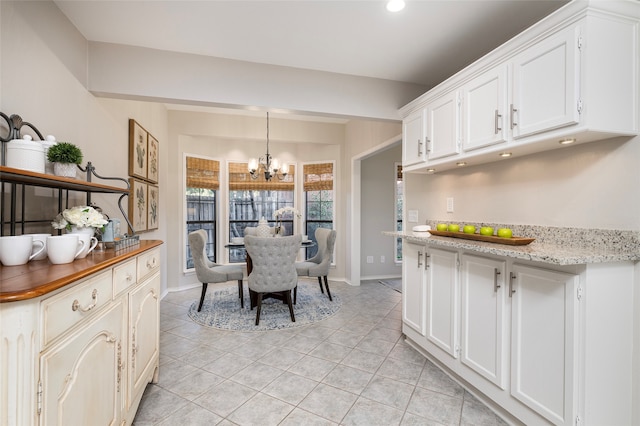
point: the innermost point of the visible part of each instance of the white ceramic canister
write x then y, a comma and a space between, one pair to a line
25, 154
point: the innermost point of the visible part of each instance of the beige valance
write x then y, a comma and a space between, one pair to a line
318, 177
202, 173
240, 180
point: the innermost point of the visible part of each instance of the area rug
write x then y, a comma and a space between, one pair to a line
393, 284
221, 309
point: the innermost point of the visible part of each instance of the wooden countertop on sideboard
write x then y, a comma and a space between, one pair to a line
37, 278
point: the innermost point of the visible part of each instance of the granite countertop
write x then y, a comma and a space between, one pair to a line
560, 246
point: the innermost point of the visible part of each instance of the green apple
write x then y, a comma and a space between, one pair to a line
469, 229
441, 227
454, 227
505, 233
486, 230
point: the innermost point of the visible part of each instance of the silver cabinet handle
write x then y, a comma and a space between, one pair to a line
419, 148
426, 261
513, 117
419, 259
428, 142
75, 306
496, 285
511, 289
496, 125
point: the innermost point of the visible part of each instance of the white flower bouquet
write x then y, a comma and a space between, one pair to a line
280, 212
79, 216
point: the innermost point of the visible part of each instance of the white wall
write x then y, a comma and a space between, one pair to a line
378, 186
42, 81
594, 185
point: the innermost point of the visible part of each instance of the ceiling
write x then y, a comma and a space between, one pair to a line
425, 43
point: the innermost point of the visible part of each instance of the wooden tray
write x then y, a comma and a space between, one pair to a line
513, 241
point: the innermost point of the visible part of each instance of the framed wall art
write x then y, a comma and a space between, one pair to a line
138, 194
137, 150
153, 193
152, 159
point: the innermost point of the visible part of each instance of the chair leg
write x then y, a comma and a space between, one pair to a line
295, 295
320, 282
287, 295
326, 284
241, 293
204, 291
259, 296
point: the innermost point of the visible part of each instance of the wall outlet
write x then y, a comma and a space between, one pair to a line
381, 259
412, 216
369, 259
450, 205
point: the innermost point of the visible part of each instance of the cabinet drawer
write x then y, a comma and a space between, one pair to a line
124, 276
147, 263
64, 310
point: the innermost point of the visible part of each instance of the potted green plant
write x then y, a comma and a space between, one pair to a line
65, 157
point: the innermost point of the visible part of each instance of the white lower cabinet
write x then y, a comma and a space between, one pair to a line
509, 330
414, 287
483, 325
442, 300
543, 341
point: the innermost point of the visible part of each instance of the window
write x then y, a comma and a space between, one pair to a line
319, 201
399, 207
250, 200
202, 184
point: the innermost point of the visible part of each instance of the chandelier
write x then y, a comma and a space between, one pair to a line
270, 166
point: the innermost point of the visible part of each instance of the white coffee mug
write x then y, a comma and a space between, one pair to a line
305, 238
64, 248
17, 250
89, 244
43, 238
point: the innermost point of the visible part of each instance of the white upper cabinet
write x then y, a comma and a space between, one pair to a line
485, 109
413, 139
573, 75
545, 85
443, 126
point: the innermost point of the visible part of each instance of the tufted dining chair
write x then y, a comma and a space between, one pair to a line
318, 265
210, 272
274, 271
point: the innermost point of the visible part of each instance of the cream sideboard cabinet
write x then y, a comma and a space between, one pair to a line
79, 342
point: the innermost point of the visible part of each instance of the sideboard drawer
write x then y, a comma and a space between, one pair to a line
147, 263
64, 310
124, 276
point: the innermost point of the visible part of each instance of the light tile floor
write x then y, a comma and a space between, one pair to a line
351, 369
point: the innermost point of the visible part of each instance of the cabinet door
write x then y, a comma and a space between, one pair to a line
442, 300
414, 290
144, 316
81, 376
483, 330
544, 360
484, 110
413, 139
545, 85
443, 126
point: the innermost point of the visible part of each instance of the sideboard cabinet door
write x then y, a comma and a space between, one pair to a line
81, 377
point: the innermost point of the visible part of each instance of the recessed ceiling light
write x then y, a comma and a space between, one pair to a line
566, 141
395, 5
505, 154
461, 163
431, 170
